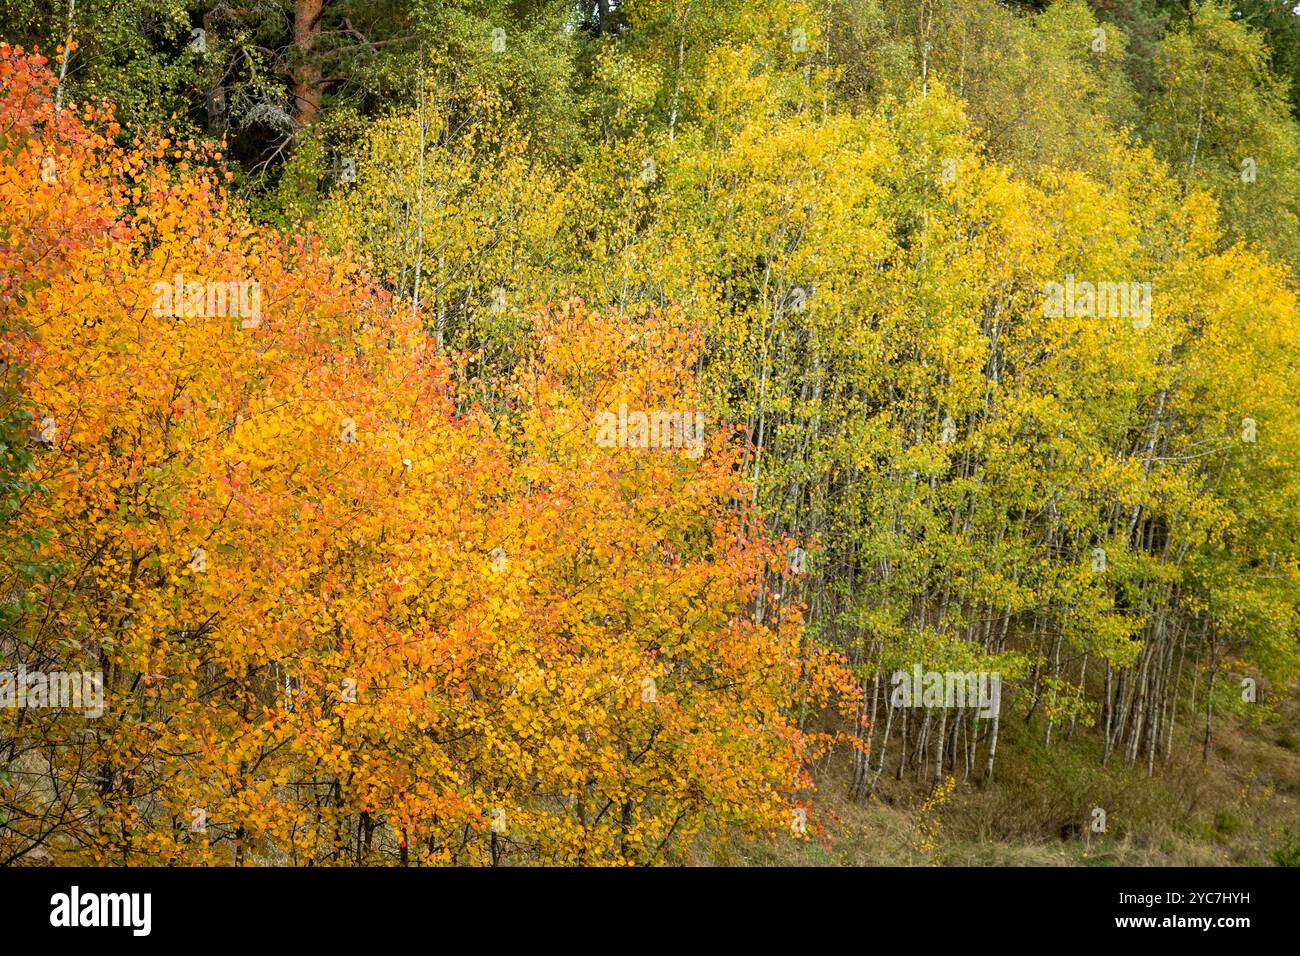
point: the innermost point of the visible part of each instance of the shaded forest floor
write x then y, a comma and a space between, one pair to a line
1238, 809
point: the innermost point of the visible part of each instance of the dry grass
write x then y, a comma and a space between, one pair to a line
1237, 809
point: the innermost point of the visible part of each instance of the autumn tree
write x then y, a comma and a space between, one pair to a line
342, 612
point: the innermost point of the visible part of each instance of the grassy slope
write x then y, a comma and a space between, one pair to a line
1235, 810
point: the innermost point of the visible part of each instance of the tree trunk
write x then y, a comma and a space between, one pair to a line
306, 71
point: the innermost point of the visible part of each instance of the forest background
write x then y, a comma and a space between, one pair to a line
989, 310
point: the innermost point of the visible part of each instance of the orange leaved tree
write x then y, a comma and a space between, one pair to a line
277, 590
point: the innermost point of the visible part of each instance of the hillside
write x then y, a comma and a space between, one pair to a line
522, 433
